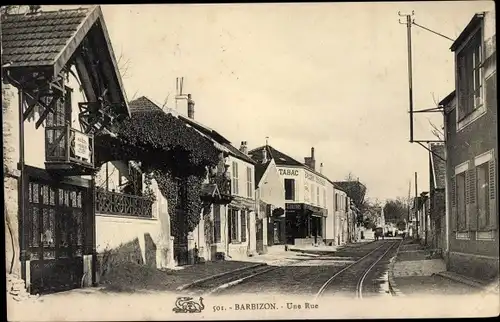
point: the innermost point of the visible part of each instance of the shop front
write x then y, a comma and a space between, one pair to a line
304, 224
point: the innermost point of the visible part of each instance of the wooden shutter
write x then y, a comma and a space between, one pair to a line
493, 219
453, 197
472, 205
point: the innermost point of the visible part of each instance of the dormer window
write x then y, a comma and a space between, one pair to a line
470, 80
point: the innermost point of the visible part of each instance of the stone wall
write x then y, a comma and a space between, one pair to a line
11, 176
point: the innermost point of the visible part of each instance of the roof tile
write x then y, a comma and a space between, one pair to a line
439, 165
25, 38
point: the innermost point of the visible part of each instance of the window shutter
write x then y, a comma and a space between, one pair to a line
472, 206
453, 197
493, 220
463, 224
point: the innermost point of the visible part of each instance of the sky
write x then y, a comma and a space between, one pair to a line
332, 76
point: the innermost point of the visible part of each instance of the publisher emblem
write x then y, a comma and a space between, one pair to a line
186, 304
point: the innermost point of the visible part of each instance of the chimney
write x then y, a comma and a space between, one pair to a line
321, 168
243, 147
310, 161
264, 155
190, 108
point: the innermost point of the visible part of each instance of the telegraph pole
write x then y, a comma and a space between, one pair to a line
416, 205
408, 24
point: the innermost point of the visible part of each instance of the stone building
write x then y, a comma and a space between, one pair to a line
472, 153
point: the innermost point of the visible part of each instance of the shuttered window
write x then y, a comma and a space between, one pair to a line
217, 224
493, 213
483, 195
453, 197
461, 195
243, 220
249, 183
235, 180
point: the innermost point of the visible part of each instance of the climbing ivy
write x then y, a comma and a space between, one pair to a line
172, 153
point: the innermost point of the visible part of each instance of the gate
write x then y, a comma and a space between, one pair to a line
57, 225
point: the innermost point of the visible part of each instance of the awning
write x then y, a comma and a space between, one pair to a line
302, 208
243, 203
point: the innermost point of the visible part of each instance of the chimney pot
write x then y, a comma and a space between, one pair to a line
264, 155
190, 104
243, 147
312, 153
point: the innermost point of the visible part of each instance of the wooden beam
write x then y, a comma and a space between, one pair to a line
83, 74
46, 112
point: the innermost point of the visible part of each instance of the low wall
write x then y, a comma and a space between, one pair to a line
479, 267
123, 239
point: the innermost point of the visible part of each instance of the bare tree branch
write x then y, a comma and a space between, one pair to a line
135, 95
436, 131
123, 65
165, 101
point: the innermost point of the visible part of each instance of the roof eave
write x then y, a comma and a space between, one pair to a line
474, 22
83, 29
113, 61
445, 101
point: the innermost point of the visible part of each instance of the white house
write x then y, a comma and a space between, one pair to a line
234, 224
308, 199
270, 197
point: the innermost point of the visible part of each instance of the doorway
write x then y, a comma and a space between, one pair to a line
59, 225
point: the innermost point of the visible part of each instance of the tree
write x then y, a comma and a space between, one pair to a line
396, 210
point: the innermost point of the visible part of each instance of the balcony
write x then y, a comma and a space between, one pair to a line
120, 204
68, 151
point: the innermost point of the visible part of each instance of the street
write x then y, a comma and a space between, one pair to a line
345, 273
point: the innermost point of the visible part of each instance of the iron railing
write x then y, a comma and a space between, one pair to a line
120, 204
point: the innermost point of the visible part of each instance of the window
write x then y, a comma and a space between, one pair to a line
336, 202
217, 228
235, 181
289, 189
249, 183
324, 198
461, 201
243, 221
483, 195
317, 195
469, 73
233, 224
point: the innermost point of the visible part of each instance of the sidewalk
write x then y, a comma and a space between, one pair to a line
414, 272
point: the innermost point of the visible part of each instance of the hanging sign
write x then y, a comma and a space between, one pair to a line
82, 148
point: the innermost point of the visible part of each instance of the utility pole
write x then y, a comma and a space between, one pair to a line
408, 24
416, 205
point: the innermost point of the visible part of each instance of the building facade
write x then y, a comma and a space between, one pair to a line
233, 223
309, 215
270, 198
437, 206
472, 153
341, 209
49, 131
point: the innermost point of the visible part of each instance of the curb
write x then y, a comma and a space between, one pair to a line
462, 279
392, 284
202, 280
337, 248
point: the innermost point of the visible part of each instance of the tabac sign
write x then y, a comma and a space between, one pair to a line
289, 172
